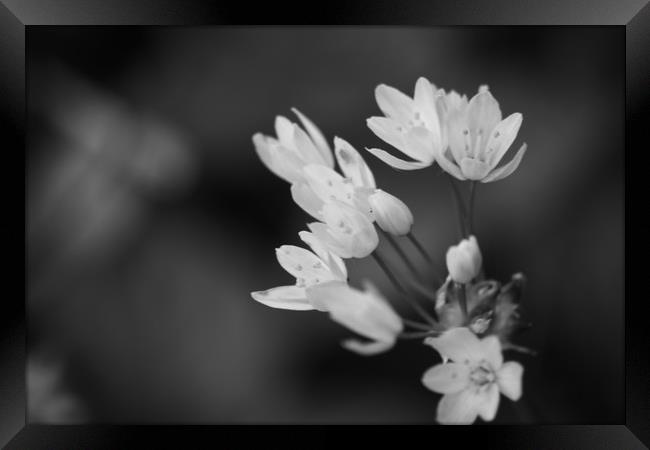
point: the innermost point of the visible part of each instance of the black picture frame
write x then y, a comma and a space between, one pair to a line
16, 16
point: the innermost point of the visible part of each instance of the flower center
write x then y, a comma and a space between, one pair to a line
482, 375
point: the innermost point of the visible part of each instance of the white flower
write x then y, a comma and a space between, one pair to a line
346, 231
472, 381
364, 312
293, 148
391, 214
322, 185
464, 260
478, 138
411, 125
309, 268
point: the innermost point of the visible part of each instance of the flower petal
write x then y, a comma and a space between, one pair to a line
448, 166
473, 169
362, 312
284, 297
305, 197
502, 138
425, 103
352, 164
446, 378
509, 379
367, 348
507, 169
306, 148
262, 144
286, 163
421, 145
327, 184
483, 113
389, 131
394, 103
458, 135
490, 403
458, 344
396, 162
492, 351
317, 137
284, 132
280, 160
351, 228
303, 264
460, 408
335, 263
324, 235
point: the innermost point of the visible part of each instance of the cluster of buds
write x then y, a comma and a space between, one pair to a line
469, 319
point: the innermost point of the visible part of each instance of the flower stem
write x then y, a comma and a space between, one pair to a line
470, 216
436, 269
417, 325
401, 253
418, 334
415, 305
462, 300
460, 207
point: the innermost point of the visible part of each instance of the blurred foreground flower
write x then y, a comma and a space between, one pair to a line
471, 382
364, 312
47, 399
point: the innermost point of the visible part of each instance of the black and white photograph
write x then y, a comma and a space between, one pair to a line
326, 225
329, 225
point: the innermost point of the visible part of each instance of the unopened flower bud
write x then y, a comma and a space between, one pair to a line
464, 260
391, 214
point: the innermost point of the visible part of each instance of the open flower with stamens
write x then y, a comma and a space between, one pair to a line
472, 381
478, 138
411, 125
345, 231
309, 267
364, 312
293, 148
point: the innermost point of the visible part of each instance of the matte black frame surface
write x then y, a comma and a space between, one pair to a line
632, 16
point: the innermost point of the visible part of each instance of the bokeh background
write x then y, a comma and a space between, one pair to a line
150, 219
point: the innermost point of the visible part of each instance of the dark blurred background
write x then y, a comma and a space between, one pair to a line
150, 219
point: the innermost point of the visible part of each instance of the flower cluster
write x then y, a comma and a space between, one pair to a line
469, 319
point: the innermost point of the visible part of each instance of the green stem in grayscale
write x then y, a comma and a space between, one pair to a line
460, 207
425, 255
402, 254
462, 300
470, 216
418, 334
415, 305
